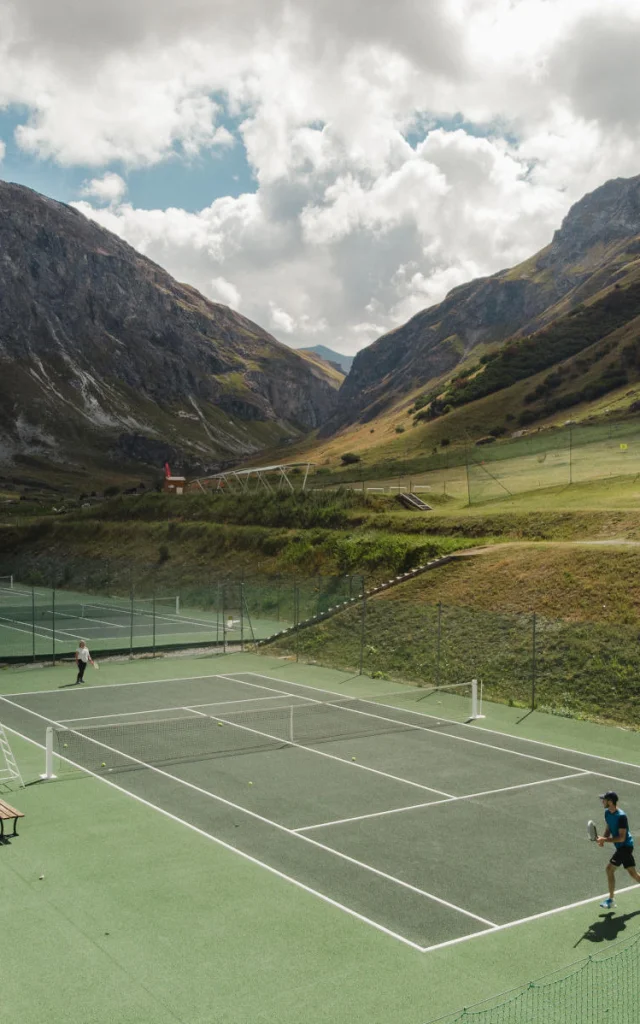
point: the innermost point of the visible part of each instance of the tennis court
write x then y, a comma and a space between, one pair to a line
391, 809
36, 623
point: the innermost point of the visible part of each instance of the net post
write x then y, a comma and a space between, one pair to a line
291, 735
48, 756
476, 705
177, 604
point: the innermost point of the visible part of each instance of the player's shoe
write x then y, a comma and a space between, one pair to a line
608, 903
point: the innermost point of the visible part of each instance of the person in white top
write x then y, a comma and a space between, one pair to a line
82, 658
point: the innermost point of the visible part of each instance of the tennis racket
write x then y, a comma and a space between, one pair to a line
96, 666
592, 831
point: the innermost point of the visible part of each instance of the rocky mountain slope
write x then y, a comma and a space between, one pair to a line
104, 356
597, 249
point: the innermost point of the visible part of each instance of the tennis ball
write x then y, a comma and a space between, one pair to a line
220, 724
41, 877
103, 765
64, 745
353, 758
251, 783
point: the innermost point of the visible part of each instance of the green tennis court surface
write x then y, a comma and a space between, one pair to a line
388, 833
42, 628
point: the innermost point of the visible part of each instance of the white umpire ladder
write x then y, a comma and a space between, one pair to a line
8, 765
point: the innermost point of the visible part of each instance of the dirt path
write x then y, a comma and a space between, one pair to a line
488, 548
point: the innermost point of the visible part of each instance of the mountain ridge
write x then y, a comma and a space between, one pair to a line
588, 253
105, 356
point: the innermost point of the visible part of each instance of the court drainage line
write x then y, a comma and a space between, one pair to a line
465, 739
179, 707
233, 849
321, 753
265, 821
437, 803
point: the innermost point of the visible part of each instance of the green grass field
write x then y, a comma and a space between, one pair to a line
177, 892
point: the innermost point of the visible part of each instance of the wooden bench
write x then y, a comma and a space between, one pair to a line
7, 813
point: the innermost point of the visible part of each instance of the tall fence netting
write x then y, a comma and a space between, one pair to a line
601, 987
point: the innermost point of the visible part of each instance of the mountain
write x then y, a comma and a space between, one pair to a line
106, 359
595, 251
337, 359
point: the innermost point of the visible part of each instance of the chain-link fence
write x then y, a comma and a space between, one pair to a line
117, 609
574, 669
552, 458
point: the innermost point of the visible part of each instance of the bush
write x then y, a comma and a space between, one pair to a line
163, 553
399, 429
349, 459
445, 441
110, 492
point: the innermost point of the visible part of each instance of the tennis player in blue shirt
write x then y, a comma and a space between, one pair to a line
618, 833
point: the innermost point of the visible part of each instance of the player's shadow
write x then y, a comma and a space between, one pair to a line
607, 928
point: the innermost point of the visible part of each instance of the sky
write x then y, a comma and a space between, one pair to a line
326, 168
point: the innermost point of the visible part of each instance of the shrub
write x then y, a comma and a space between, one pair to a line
444, 442
349, 458
163, 553
399, 429
110, 492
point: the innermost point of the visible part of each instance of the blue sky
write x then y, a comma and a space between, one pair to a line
190, 184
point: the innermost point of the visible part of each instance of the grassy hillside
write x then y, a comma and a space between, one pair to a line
474, 617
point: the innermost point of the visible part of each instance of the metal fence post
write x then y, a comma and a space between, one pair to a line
533, 662
131, 620
363, 627
438, 640
53, 624
33, 622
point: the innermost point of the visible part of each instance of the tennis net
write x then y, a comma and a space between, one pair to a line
125, 745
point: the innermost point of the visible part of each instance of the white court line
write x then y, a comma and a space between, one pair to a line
463, 739
320, 753
268, 821
179, 707
16, 629
30, 631
523, 920
437, 803
240, 853
148, 682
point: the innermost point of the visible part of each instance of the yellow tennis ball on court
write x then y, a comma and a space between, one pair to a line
104, 764
64, 745
251, 783
353, 758
220, 724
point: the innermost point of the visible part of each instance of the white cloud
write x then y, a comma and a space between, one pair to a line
3, 150
360, 218
281, 320
224, 291
110, 188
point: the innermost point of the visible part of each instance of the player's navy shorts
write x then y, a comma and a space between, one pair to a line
623, 857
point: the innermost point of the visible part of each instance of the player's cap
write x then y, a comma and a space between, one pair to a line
610, 795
